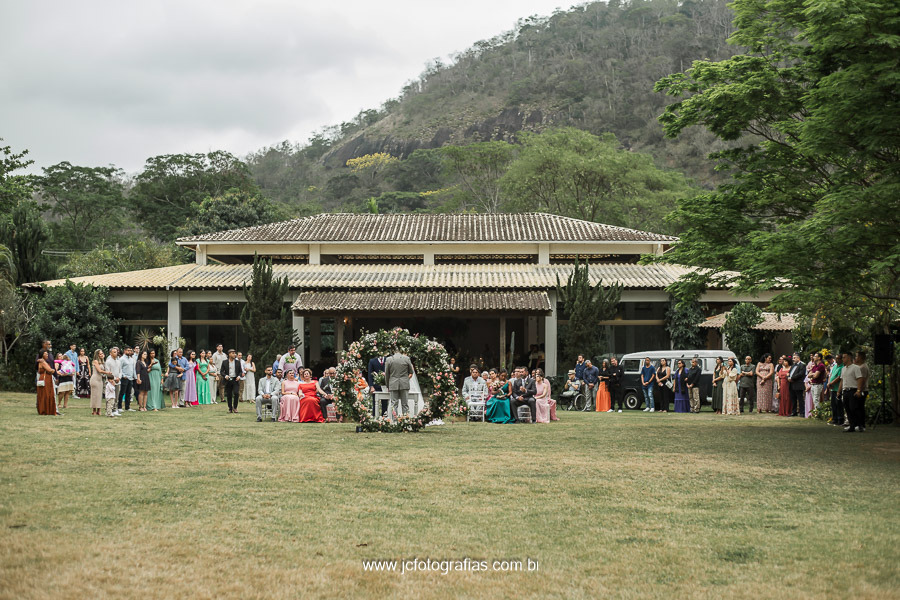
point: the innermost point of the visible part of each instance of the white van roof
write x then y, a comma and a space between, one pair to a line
680, 354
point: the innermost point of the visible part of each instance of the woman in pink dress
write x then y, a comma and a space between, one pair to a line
806, 381
545, 405
764, 384
310, 409
290, 399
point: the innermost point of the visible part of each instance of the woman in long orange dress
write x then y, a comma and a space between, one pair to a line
46, 399
784, 388
310, 409
604, 401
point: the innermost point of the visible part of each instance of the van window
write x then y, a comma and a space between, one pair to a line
632, 365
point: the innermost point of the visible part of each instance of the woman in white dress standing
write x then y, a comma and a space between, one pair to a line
730, 403
249, 379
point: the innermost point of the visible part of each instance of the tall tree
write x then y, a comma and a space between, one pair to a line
167, 187
265, 318
74, 313
13, 187
738, 330
812, 206
234, 209
479, 169
585, 305
26, 234
683, 320
576, 174
88, 201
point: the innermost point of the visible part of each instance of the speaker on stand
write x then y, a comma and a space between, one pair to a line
883, 354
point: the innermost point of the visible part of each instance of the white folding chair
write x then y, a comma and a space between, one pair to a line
476, 404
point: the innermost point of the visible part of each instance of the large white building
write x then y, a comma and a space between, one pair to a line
484, 284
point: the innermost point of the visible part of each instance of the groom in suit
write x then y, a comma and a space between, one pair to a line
376, 365
398, 370
522, 390
231, 373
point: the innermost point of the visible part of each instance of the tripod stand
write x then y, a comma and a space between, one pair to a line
881, 413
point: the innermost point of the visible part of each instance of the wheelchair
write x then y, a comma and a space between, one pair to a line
573, 400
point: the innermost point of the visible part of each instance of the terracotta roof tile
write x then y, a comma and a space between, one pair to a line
345, 227
444, 301
349, 277
771, 322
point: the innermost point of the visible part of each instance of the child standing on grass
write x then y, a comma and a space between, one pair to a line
110, 394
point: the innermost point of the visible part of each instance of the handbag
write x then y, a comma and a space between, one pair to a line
669, 384
41, 383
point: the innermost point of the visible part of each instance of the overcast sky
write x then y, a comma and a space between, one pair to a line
99, 83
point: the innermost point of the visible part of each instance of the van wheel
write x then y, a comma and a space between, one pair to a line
632, 401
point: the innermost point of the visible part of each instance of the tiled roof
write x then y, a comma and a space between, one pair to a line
345, 227
445, 301
361, 276
771, 322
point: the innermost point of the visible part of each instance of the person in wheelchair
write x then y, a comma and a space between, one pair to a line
572, 390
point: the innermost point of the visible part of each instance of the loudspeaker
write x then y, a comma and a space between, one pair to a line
883, 345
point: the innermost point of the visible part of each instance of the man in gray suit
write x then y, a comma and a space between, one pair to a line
268, 392
398, 370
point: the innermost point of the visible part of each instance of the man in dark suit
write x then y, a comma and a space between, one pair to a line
231, 373
376, 365
798, 387
522, 390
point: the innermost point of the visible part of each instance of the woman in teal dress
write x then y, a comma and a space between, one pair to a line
155, 396
203, 396
498, 403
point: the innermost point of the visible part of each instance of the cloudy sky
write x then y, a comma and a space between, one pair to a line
99, 83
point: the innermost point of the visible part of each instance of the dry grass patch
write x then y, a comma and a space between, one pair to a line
202, 504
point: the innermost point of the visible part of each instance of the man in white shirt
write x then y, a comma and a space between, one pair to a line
218, 358
850, 377
113, 365
291, 361
243, 379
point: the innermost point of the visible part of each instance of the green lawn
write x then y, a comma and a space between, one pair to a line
202, 504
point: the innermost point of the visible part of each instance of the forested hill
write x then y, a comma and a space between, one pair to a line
592, 67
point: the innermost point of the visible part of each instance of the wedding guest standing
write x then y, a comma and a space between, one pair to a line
747, 385
83, 379
249, 379
65, 382
142, 379
155, 395
616, 375
190, 380
126, 379
46, 399
203, 378
590, 376
114, 366
604, 400
797, 378
817, 378
291, 361
98, 382
718, 378
111, 396
218, 358
834, 392
664, 385
679, 380
231, 373
173, 384
784, 388
648, 377
730, 400
213, 378
765, 371
693, 384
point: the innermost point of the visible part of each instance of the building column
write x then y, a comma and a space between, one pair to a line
315, 339
315, 256
299, 325
550, 337
543, 254
201, 254
503, 364
531, 332
173, 322
428, 257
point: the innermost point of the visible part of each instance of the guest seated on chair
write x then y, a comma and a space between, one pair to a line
324, 390
546, 406
522, 390
268, 391
290, 399
498, 404
572, 388
310, 410
474, 387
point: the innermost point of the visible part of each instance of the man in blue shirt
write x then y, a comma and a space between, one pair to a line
579, 368
591, 376
183, 367
648, 376
72, 354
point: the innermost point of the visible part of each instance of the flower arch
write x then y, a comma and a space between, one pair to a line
432, 369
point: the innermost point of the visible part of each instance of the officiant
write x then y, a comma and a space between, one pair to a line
398, 371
